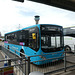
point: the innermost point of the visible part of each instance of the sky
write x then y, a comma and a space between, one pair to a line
15, 15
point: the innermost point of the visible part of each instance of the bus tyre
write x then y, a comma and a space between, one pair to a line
67, 48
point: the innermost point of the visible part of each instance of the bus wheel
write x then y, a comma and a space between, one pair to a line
22, 51
67, 48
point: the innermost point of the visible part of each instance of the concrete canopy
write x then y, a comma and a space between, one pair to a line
65, 4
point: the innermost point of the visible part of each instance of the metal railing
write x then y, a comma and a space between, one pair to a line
20, 64
47, 68
19, 68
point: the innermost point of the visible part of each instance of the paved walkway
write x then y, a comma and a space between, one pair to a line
1, 57
69, 72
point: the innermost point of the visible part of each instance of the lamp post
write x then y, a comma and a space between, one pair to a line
37, 18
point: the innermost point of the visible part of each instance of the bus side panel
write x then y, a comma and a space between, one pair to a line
6, 45
13, 48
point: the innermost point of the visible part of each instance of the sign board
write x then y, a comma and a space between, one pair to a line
1, 71
7, 71
34, 35
50, 28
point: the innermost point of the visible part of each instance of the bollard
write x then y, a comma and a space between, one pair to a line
5, 62
36, 73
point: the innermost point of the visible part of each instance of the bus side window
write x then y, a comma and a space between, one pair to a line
33, 41
20, 37
7, 37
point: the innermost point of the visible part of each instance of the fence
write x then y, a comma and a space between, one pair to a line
55, 66
19, 65
28, 66
14, 68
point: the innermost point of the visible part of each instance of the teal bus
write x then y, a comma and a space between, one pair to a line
38, 39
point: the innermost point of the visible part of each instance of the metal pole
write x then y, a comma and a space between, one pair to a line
28, 65
25, 67
65, 61
74, 49
9, 62
15, 56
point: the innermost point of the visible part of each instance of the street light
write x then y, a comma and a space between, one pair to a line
37, 18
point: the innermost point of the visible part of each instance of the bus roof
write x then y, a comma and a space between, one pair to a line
32, 26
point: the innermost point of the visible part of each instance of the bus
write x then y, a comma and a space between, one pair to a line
69, 43
38, 39
69, 38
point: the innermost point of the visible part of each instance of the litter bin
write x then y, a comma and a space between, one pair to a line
36, 73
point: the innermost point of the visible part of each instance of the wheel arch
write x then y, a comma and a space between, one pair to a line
22, 52
68, 47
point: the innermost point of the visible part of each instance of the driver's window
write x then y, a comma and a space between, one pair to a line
34, 38
32, 41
